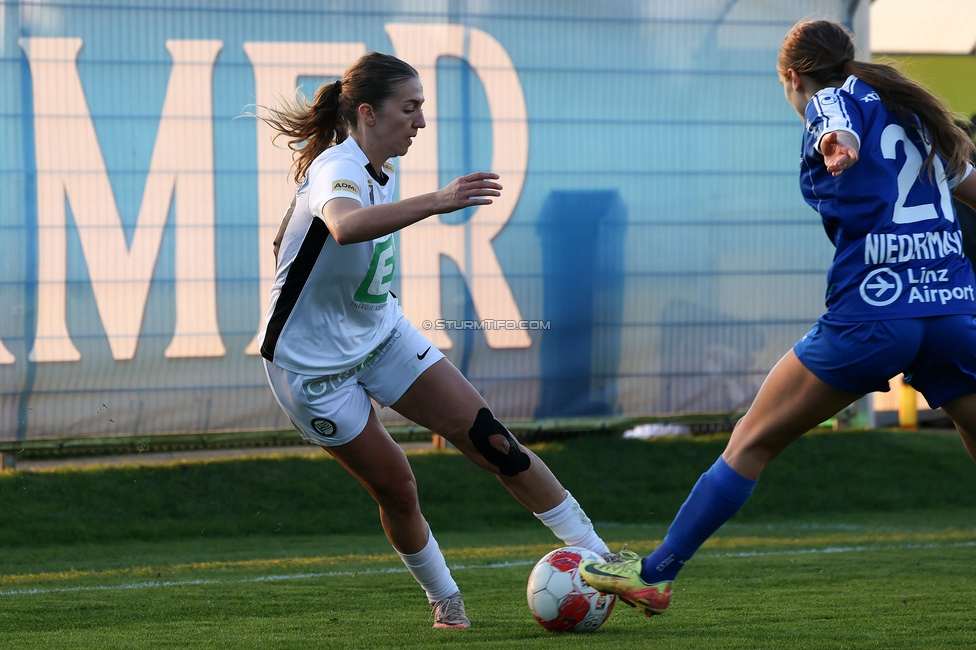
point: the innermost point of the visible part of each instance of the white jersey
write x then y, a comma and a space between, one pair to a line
330, 304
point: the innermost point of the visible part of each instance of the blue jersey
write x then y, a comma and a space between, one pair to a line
899, 246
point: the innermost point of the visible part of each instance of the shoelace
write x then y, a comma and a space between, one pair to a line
449, 611
621, 555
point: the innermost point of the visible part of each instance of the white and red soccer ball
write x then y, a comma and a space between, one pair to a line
559, 599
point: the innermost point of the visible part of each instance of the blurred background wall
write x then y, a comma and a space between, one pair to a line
651, 255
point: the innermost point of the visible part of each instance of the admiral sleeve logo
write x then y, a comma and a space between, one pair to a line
388, 167
346, 186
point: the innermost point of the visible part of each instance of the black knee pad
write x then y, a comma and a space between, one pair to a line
486, 425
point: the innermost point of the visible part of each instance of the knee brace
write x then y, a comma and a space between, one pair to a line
485, 426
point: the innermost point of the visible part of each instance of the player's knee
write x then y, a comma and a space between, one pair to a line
399, 496
497, 445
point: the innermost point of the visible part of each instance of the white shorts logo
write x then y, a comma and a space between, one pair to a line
315, 388
881, 288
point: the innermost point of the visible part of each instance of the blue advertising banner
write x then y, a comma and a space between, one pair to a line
650, 254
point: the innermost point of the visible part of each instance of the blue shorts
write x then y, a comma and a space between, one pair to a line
937, 355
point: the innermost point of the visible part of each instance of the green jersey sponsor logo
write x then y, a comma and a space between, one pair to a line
376, 285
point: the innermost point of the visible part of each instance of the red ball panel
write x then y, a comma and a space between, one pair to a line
565, 560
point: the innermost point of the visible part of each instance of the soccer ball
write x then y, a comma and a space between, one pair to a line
559, 599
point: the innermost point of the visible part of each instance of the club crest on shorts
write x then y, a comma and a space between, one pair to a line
325, 428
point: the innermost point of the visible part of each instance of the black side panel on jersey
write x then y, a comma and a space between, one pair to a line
298, 274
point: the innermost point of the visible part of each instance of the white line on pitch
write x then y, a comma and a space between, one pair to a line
272, 578
493, 565
836, 549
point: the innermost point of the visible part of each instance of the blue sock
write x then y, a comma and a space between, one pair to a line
716, 497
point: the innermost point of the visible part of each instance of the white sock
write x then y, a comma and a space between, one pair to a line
569, 523
429, 568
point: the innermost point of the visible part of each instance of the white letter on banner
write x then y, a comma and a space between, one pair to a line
70, 162
422, 244
277, 67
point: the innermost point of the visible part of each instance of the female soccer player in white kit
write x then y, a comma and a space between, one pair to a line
881, 158
334, 336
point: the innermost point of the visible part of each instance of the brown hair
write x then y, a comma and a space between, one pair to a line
824, 51
327, 121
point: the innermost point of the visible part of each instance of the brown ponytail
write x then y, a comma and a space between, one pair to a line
824, 51
327, 121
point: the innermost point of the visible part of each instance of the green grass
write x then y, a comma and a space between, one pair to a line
289, 495
862, 540
941, 75
885, 584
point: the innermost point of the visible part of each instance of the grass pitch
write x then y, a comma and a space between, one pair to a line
874, 571
886, 583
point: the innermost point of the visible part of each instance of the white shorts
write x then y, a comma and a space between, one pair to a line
331, 410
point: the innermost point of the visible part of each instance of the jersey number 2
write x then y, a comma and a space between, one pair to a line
908, 176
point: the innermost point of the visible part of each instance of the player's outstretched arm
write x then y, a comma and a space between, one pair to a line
840, 151
350, 223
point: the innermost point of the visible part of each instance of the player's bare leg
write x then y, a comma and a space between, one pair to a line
380, 465
790, 402
963, 413
443, 401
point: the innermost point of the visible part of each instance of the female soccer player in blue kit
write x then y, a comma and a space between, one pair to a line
881, 160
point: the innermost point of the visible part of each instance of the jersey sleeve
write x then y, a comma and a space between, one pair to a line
955, 180
337, 178
831, 110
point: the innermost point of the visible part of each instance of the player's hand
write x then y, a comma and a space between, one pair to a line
838, 155
467, 191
